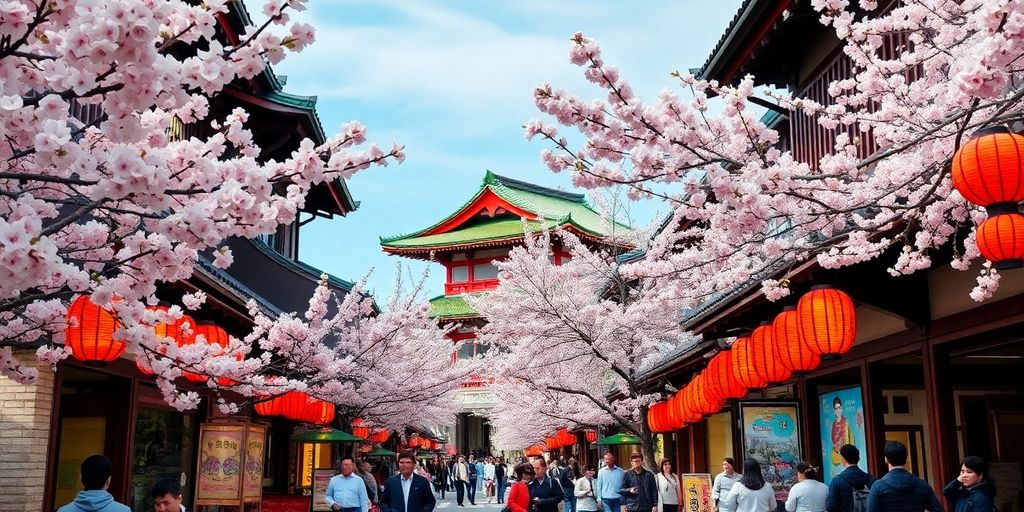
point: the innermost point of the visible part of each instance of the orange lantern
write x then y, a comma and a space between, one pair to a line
767, 362
684, 405
828, 323
565, 438
552, 443
743, 364
989, 169
380, 437
721, 379
534, 451
1001, 240
271, 407
591, 435
217, 336
89, 333
359, 430
293, 405
655, 417
318, 412
789, 346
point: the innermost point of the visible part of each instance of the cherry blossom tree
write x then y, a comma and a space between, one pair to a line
570, 341
113, 206
746, 209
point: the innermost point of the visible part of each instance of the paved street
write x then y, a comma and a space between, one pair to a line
481, 504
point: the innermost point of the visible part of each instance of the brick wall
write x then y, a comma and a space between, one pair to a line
24, 432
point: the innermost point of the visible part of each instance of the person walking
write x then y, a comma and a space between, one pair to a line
479, 474
668, 488
724, 480
808, 494
407, 491
441, 477
371, 484
347, 492
519, 496
460, 475
166, 495
573, 474
489, 479
564, 477
545, 492
639, 489
898, 490
609, 483
973, 490
583, 490
474, 476
750, 494
851, 483
500, 479
95, 477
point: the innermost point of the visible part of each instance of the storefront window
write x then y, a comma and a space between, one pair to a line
314, 456
164, 447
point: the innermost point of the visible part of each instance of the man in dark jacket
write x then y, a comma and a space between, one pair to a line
407, 491
545, 492
500, 479
639, 489
843, 485
898, 490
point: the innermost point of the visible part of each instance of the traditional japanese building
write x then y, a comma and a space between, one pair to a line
467, 243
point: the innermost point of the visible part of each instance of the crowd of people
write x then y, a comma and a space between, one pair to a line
561, 485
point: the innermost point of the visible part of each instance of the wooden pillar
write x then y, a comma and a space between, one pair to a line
808, 401
941, 418
874, 421
698, 448
682, 438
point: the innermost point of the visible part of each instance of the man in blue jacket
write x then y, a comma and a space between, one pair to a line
845, 485
96, 471
407, 491
898, 490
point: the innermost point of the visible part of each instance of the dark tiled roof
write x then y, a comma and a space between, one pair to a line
720, 46
241, 291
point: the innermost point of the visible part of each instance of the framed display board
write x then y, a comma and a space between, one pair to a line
696, 492
230, 464
842, 422
321, 479
771, 436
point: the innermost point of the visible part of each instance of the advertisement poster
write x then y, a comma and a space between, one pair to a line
842, 422
771, 436
696, 492
219, 477
321, 478
252, 480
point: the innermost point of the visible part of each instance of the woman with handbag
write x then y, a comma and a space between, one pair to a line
519, 495
668, 488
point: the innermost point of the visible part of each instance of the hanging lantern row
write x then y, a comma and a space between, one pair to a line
89, 334
561, 439
989, 171
591, 435
821, 326
534, 451
359, 430
379, 437
297, 406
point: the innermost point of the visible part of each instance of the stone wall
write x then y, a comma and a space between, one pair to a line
25, 412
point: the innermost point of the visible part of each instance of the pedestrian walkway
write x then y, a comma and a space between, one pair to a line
449, 503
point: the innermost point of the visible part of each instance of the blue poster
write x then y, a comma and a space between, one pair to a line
771, 436
842, 422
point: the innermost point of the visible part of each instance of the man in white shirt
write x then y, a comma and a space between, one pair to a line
347, 492
724, 480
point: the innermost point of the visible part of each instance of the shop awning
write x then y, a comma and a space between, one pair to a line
327, 435
619, 439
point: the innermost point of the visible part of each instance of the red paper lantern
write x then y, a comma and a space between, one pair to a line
552, 443
380, 437
293, 405
767, 362
318, 412
217, 336
271, 407
89, 333
828, 323
721, 380
1001, 240
359, 430
565, 438
591, 435
790, 347
534, 451
743, 364
656, 417
989, 169
686, 413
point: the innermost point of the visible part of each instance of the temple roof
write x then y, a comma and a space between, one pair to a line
497, 214
451, 307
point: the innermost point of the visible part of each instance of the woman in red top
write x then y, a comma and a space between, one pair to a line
519, 495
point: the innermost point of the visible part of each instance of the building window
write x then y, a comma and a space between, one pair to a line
460, 274
484, 271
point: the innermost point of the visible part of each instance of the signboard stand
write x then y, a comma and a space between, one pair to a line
229, 469
696, 495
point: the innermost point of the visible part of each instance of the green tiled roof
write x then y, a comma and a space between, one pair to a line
555, 208
444, 306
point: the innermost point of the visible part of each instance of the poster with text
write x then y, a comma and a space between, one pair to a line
219, 478
771, 436
252, 481
842, 422
696, 492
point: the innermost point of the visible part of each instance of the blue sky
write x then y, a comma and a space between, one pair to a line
453, 82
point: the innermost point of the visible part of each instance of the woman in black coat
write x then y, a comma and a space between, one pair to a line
973, 490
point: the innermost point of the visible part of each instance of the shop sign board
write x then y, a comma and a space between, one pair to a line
696, 495
225, 461
771, 436
842, 422
321, 479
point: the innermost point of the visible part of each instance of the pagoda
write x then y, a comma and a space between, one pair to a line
467, 243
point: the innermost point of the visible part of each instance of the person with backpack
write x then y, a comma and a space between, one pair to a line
848, 491
973, 490
899, 490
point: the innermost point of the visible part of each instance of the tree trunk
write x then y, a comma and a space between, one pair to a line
647, 441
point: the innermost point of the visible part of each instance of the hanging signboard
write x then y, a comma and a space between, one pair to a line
226, 455
842, 422
696, 495
771, 436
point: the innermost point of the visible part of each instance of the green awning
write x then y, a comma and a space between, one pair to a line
327, 435
380, 452
619, 439
425, 456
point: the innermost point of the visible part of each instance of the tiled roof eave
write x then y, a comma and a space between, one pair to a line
483, 243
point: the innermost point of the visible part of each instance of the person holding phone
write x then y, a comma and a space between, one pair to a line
973, 489
586, 499
639, 488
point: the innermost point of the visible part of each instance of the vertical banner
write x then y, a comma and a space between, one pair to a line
696, 495
771, 436
219, 478
255, 446
842, 422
